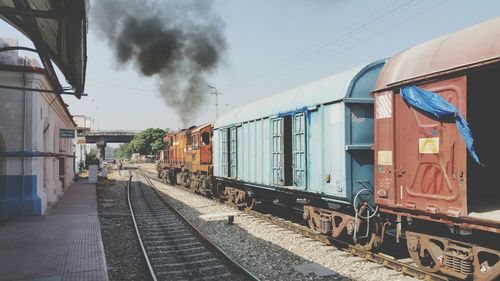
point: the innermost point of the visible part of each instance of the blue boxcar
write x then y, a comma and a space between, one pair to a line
315, 138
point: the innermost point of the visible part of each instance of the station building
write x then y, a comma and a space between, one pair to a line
36, 143
82, 128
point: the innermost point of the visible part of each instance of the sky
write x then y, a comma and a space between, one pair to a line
272, 46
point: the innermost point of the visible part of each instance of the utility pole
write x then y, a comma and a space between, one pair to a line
216, 100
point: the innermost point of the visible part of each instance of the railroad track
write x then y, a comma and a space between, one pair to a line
173, 248
403, 266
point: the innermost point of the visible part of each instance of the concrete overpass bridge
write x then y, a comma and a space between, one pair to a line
101, 138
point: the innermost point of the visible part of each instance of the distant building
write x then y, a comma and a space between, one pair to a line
82, 127
36, 138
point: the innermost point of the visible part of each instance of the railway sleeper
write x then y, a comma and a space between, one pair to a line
454, 258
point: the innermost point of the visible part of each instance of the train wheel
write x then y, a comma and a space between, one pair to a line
426, 253
251, 203
311, 224
172, 178
312, 219
367, 235
186, 180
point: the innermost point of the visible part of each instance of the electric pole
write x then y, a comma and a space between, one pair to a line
216, 100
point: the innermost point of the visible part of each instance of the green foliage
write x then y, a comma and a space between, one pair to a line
123, 151
91, 158
148, 141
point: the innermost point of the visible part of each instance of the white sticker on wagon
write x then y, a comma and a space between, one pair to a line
428, 145
384, 157
383, 105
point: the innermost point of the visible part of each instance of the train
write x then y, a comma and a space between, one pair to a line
402, 147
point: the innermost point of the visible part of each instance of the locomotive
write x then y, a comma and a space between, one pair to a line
379, 149
187, 158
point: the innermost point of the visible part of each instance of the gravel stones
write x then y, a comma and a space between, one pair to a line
123, 253
267, 250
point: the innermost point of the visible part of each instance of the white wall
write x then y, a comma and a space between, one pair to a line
45, 115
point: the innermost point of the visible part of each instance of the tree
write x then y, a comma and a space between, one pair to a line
148, 141
91, 158
123, 151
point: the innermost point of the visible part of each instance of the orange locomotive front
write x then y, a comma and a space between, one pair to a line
187, 158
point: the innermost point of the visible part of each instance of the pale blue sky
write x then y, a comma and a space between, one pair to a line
273, 45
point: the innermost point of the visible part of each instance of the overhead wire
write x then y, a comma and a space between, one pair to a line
378, 33
135, 89
328, 40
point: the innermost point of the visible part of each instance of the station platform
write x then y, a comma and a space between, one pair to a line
64, 244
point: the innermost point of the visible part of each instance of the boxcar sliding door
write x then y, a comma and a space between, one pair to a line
277, 151
233, 150
224, 152
299, 150
431, 155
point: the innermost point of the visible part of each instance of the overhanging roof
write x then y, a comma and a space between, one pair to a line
58, 29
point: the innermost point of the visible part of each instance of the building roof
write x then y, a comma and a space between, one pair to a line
58, 29
474, 45
329, 89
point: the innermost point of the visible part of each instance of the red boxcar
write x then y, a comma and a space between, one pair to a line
448, 204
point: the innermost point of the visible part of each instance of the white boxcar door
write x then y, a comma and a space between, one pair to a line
233, 152
277, 151
299, 151
224, 154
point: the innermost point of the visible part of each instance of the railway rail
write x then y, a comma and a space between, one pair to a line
174, 249
403, 266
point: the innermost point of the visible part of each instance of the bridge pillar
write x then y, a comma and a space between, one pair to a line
101, 150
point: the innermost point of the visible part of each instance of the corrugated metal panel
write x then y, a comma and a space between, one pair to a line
315, 138
241, 153
472, 45
252, 163
332, 88
335, 150
258, 151
216, 153
245, 138
266, 160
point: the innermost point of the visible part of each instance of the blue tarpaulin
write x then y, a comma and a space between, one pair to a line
434, 104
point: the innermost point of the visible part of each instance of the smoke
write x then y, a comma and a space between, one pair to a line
178, 42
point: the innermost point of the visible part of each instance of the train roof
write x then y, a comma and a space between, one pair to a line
473, 46
201, 127
330, 89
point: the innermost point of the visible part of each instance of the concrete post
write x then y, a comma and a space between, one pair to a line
101, 152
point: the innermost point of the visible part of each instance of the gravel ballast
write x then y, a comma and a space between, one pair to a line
269, 251
123, 253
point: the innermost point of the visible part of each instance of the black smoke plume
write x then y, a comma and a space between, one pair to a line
179, 42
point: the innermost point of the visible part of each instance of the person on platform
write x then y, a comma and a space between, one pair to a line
80, 166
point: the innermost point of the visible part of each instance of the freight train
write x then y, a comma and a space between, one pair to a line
383, 148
